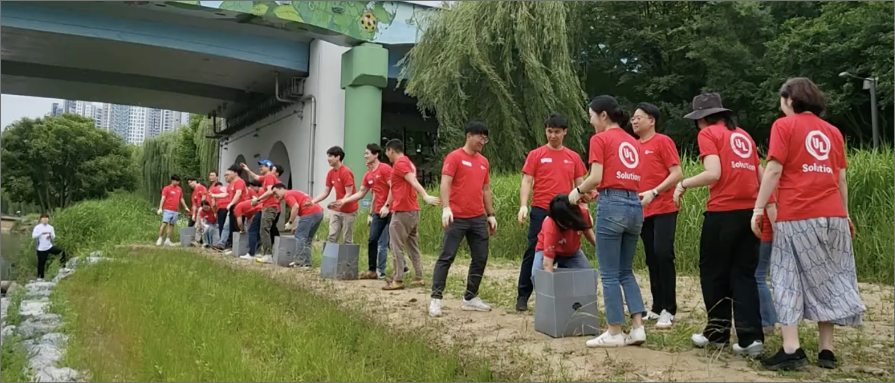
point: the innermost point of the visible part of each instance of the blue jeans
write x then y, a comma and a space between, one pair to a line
170, 216
304, 237
618, 224
576, 260
208, 235
254, 233
224, 226
766, 302
377, 244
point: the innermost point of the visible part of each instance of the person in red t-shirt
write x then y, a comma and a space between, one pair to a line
340, 177
196, 197
309, 219
268, 205
236, 191
405, 211
172, 199
376, 180
728, 252
661, 170
812, 263
466, 199
615, 171
550, 169
208, 221
559, 242
219, 201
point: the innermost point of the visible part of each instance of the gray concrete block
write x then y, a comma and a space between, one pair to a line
187, 234
284, 251
240, 244
339, 261
566, 302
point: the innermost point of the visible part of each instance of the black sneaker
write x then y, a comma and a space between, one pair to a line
406, 269
521, 303
781, 361
827, 360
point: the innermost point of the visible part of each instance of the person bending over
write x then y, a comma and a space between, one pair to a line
559, 242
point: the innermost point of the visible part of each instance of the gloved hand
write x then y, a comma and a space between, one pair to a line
574, 196
288, 226
369, 219
756, 221
523, 214
383, 212
434, 201
678, 192
647, 197
492, 224
255, 201
446, 217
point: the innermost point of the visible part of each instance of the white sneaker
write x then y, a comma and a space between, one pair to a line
168, 242
753, 350
607, 340
159, 242
651, 316
475, 304
666, 320
228, 252
700, 341
636, 336
246, 257
435, 308
264, 259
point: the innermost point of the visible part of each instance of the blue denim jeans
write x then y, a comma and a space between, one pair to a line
377, 243
208, 235
766, 302
254, 233
618, 224
576, 260
304, 237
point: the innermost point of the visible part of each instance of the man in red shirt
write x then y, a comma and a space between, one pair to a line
196, 197
208, 221
267, 203
376, 180
661, 170
167, 208
219, 199
552, 169
466, 199
309, 219
341, 179
402, 203
237, 192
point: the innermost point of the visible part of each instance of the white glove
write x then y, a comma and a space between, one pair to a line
383, 212
255, 201
369, 219
434, 201
523, 214
288, 226
756, 221
647, 197
446, 217
574, 196
678, 192
492, 224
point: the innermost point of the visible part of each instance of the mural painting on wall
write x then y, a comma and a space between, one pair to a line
386, 22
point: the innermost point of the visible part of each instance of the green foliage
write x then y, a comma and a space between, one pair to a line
506, 63
193, 155
158, 164
53, 162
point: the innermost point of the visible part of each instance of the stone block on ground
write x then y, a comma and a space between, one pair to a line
187, 234
339, 261
240, 244
33, 308
37, 290
39, 326
54, 374
566, 302
285, 250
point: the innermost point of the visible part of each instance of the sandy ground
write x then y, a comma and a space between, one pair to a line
508, 338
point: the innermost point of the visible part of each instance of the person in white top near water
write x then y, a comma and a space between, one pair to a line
45, 234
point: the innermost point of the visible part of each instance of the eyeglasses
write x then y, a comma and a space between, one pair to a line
483, 138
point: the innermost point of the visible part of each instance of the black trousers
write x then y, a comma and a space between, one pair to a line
42, 257
234, 228
728, 256
658, 245
222, 216
526, 285
475, 230
274, 230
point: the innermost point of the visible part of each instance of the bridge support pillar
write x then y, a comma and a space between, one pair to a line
364, 75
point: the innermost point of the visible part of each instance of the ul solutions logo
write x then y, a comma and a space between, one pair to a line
818, 145
741, 145
628, 155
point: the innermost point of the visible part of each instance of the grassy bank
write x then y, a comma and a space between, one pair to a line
169, 316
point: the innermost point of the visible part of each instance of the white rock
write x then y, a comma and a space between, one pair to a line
96, 253
7, 331
4, 306
39, 326
53, 374
40, 286
33, 308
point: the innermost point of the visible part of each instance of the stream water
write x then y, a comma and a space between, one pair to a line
10, 243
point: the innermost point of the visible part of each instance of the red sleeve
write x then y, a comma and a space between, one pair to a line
670, 156
290, 200
386, 171
596, 149
531, 162
349, 177
165, 190
329, 179
551, 238
366, 181
580, 169
777, 149
450, 165
707, 144
238, 210
401, 168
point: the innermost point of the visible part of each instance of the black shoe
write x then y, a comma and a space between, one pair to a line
406, 269
827, 360
781, 361
521, 303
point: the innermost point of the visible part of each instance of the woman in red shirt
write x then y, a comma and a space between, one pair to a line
728, 251
812, 262
614, 171
559, 241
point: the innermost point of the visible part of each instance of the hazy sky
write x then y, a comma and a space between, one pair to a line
15, 107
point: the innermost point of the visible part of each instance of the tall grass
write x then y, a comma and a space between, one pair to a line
163, 316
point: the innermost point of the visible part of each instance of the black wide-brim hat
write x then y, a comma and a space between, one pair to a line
704, 105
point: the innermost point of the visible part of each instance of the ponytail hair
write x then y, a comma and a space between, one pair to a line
727, 117
566, 215
610, 105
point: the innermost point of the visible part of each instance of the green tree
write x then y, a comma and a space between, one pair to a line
56, 161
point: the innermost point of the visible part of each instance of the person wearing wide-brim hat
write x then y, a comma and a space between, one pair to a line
728, 251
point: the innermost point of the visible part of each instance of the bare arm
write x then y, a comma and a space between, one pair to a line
293, 213
161, 203
768, 183
593, 179
411, 179
251, 173
388, 200
267, 193
710, 175
579, 181
524, 189
843, 189
356, 196
183, 203
322, 196
771, 210
589, 234
446, 182
222, 194
487, 199
675, 175
236, 197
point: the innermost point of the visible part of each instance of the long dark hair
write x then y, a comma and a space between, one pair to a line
727, 117
566, 215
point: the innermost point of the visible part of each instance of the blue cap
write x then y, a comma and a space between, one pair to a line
266, 163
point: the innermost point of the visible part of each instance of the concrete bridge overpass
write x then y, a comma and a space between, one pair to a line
291, 78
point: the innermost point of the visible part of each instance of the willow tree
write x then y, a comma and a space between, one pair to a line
505, 63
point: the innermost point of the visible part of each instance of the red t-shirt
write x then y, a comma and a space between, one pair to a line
339, 180
172, 195
221, 202
209, 216
237, 184
245, 208
554, 172
619, 153
299, 197
470, 173
554, 241
767, 231
196, 198
377, 181
738, 186
403, 195
268, 181
812, 153
657, 155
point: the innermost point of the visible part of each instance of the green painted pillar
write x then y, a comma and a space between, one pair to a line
364, 75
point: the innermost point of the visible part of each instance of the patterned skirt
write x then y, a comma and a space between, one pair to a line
813, 273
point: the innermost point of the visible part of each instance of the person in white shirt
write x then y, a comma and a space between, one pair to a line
45, 234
